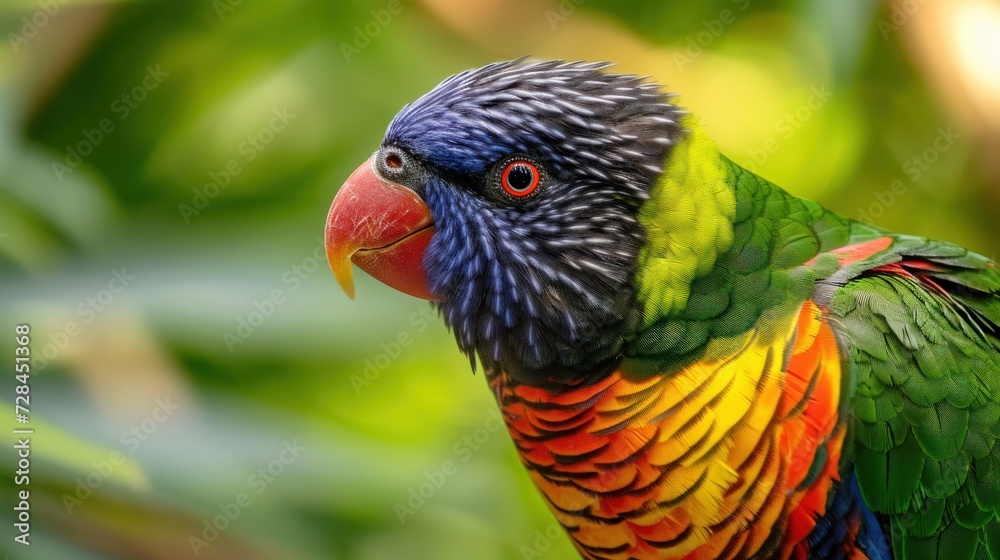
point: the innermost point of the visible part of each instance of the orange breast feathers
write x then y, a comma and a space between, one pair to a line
727, 458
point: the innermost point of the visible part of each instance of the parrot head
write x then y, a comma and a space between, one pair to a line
509, 195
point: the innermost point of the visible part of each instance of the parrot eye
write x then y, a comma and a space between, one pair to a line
520, 178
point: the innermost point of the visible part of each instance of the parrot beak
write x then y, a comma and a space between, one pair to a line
382, 227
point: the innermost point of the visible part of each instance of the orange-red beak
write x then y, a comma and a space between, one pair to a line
382, 227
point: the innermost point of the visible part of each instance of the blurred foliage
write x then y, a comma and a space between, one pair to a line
214, 204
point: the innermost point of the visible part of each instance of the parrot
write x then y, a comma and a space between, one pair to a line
691, 362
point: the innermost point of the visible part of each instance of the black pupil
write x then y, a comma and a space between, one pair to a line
520, 177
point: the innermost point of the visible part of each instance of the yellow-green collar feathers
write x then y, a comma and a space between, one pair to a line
688, 221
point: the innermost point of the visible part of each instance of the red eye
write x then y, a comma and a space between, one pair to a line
520, 178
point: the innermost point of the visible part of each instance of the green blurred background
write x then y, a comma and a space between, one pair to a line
166, 171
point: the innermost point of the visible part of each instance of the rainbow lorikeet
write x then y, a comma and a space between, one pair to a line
691, 362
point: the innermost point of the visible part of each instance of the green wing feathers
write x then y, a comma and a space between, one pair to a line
918, 320
921, 325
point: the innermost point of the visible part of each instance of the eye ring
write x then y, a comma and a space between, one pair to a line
520, 178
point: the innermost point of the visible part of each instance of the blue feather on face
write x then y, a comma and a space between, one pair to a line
540, 285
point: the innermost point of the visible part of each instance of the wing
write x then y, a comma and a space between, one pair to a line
920, 321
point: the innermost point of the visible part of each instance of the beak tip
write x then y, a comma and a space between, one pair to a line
342, 269
349, 290
345, 278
